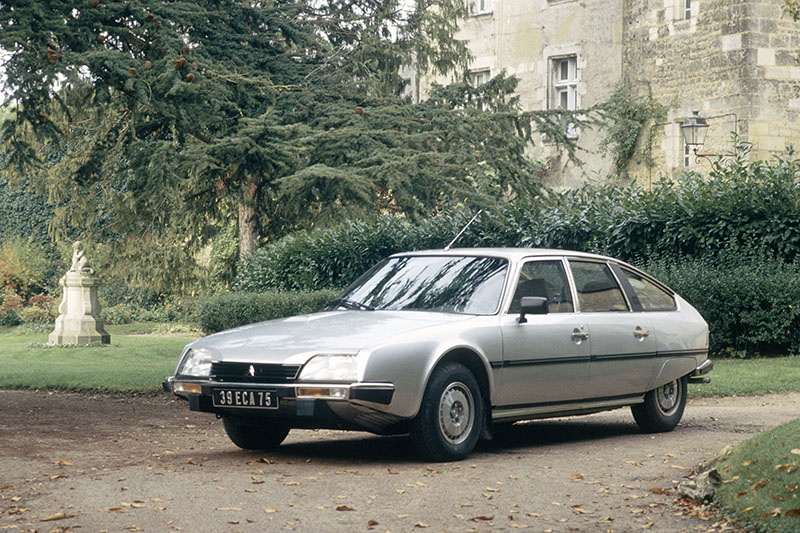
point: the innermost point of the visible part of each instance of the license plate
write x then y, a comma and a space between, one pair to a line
248, 398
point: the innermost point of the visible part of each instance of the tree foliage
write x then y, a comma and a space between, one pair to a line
151, 123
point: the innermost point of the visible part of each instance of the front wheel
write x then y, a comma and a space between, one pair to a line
662, 408
450, 418
251, 435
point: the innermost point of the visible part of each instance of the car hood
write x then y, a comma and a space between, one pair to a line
293, 340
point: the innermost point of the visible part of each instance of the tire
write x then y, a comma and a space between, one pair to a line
662, 408
451, 417
251, 435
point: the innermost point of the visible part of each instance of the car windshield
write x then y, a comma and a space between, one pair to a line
449, 284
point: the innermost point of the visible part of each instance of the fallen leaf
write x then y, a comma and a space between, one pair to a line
758, 485
57, 516
747, 463
792, 488
747, 509
656, 490
372, 523
270, 510
421, 525
491, 489
67, 463
229, 508
393, 472
344, 508
792, 512
795, 451
576, 477
483, 518
577, 509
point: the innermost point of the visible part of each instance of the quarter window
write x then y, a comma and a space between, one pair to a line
652, 297
545, 279
597, 288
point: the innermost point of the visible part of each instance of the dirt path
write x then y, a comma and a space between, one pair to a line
71, 462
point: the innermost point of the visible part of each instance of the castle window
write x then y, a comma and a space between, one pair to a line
564, 94
687, 9
481, 7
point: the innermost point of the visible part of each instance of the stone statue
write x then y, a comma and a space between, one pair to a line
79, 319
79, 261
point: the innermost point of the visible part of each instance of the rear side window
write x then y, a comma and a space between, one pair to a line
651, 296
597, 288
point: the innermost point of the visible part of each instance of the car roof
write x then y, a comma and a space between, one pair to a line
509, 253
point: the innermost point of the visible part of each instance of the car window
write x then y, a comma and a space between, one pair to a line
597, 288
546, 279
651, 296
450, 284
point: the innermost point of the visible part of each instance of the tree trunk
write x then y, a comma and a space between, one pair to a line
248, 227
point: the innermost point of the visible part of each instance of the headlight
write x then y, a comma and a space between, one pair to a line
195, 363
330, 367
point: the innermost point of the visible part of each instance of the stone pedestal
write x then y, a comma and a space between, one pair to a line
79, 319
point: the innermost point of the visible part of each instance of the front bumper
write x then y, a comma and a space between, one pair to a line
305, 405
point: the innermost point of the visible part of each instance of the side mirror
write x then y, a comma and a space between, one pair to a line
531, 305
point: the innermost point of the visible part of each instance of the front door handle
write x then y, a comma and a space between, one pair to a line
578, 335
640, 333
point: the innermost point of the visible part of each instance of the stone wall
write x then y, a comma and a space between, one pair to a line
730, 57
523, 36
735, 61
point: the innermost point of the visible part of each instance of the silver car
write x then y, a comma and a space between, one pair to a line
446, 345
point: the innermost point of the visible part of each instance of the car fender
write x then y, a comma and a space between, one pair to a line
420, 357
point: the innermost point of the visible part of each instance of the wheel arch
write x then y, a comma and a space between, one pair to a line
475, 364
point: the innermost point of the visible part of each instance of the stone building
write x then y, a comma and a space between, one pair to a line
737, 62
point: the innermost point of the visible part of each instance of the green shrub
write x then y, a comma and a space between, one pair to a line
230, 310
24, 267
739, 204
751, 302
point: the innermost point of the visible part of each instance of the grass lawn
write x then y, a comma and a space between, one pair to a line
133, 362
748, 377
761, 481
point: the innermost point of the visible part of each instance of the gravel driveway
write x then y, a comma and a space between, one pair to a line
73, 462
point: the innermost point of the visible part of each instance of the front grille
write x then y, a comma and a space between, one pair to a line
262, 373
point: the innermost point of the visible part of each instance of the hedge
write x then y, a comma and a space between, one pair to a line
740, 206
751, 302
231, 310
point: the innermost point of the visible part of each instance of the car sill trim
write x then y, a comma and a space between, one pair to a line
518, 412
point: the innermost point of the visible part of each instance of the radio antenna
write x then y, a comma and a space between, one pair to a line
463, 230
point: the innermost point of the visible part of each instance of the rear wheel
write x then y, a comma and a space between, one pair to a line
662, 408
450, 418
254, 435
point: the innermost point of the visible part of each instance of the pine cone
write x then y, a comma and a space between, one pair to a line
150, 17
185, 50
190, 77
148, 65
132, 72
180, 63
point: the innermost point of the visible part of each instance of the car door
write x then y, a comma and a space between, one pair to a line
623, 348
546, 357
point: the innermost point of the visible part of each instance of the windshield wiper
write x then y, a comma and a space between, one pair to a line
350, 304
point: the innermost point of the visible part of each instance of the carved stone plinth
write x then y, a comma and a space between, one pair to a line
79, 319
